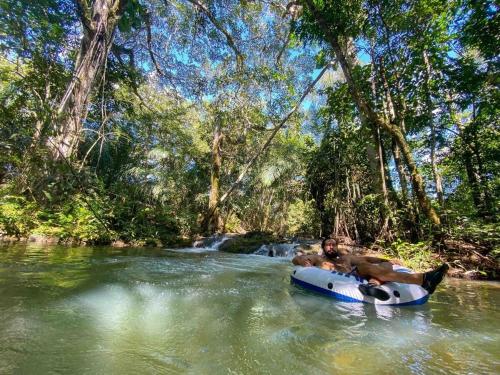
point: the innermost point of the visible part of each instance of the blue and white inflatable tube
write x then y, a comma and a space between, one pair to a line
344, 287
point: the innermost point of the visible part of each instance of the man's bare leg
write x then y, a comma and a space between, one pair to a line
382, 273
376, 282
428, 280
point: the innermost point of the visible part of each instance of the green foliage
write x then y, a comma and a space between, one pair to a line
417, 256
232, 223
79, 218
478, 232
16, 216
143, 167
303, 218
74, 220
133, 16
368, 212
482, 26
136, 220
339, 175
342, 19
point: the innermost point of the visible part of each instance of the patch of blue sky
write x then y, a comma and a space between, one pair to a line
242, 30
363, 46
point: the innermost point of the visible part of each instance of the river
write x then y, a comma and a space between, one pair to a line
99, 310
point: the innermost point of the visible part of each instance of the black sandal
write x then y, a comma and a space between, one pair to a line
433, 278
371, 290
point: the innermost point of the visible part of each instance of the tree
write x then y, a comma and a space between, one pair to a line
327, 23
99, 19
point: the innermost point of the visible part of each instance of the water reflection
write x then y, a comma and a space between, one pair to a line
101, 310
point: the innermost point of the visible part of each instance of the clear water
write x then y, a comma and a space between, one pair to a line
149, 311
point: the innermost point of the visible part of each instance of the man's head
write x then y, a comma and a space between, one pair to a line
330, 248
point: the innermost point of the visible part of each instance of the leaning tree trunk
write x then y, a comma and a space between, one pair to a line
367, 111
99, 21
393, 130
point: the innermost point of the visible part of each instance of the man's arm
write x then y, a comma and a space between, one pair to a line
312, 260
305, 260
300, 260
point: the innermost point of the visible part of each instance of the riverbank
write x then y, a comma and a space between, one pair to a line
38, 239
467, 260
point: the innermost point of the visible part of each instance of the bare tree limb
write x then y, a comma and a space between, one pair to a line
282, 49
147, 20
119, 50
230, 41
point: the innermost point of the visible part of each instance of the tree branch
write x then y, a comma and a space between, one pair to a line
282, 49
202, 7
147, 21
84, 13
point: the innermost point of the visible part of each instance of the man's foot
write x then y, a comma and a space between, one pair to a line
373, 291
433, 278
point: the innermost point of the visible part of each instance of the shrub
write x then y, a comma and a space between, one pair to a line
17, 216
416, 256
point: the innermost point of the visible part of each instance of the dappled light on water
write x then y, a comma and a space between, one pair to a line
100, 310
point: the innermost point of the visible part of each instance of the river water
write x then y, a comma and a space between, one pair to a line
150, 311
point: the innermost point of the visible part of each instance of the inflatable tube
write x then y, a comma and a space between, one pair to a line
346, 287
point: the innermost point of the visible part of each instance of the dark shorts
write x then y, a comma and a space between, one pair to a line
354, 271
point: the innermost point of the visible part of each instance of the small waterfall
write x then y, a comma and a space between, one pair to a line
286, 250
215, 245
212, 242
263, 250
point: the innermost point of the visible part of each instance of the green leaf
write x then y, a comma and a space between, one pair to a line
48, 195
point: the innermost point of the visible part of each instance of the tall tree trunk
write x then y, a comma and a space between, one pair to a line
430, 108
472, 169
403, 178
373, 153
365, 108
213, 219
472, 176
385, 165
484, 209
389, 114
99, 22
266, 211
42, 116
396, 116
384, 176
376, 135
400, 110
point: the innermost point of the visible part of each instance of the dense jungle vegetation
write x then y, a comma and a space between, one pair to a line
156, 121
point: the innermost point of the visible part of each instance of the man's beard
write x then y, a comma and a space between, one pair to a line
333, 256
